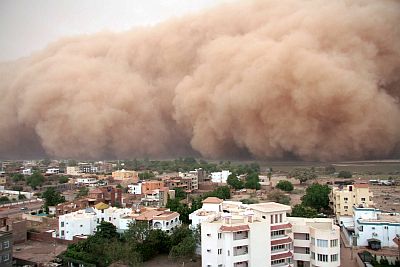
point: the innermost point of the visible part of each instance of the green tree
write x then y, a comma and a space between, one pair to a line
317, 196
52, 198
303, 175
253, 181
63, 180
4, 199
285, 185
21, 197
249, 201
146, 175
279, 197
83, 191
185, 249
222, 192
304, 211
18, 177
234, 182
106, 230
179, 193
345, 174
35, 180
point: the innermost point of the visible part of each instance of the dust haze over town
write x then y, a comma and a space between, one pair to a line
307, 80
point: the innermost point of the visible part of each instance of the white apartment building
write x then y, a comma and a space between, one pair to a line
85, 222
53, 171
220, 177
27, 171
73, 170
89, 181
234, 234
373, 225
316, 242
135, 189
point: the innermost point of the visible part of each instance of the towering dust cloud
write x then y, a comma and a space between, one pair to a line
316, 79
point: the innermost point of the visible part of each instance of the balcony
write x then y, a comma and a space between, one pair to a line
240, 235
241, 250
241, 264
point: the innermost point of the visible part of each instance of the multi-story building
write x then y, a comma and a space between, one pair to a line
135, 189
121, 175
85, 222
373, 227
343, 199
220, 177
88, 181
194, 175
6, 242
27, 171
151, 185
157, 197
316, 242
53, 171
234, 234
179, 182
73, 170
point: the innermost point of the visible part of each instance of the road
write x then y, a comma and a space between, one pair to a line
15, 210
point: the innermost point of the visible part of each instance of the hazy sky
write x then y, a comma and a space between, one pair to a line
28, 25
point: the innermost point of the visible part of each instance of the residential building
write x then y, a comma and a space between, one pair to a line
52, 171
157, 197
107, 194
373, 227
87, 167
124, 175
135, 189
6, 242
220, 177
343, 199
27, 171
85, 222
316, 242
73, 170
151, 185
194, 175
88, 181
179, 182
234, 234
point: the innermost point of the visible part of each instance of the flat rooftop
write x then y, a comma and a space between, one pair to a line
270, 207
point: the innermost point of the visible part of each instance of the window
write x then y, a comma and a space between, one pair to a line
81, 225
62, 224
277, 247
280, 217
363, 199
263, 217
167, 223
345, 207
334, 243
220, 251
345, 199
323, 257
276, 218
208, 250
322, 243
62, 234
102, 219
307, 250
219, 265
312, 241
208, 235
334, 257
109, 219
307, 236
278, 261
219, 235
6, 244
272, 219
6, 257
277, 233
313, 255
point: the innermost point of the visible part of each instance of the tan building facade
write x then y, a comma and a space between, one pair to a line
124, 175
344, 199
